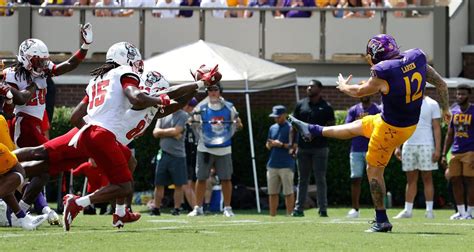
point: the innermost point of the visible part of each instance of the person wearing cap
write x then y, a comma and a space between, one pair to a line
312, 155
190, 146
280, 165
216, 120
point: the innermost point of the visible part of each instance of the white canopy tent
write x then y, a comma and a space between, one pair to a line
241, 73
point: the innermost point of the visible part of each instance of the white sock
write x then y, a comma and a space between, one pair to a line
120, 210
24, 206
46, 210
429, 205
470, 210
461, 209
228, 208
83, 201
408, 207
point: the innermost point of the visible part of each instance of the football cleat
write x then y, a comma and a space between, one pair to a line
301, 127
53, 218
380, 227
71, 210
353, 214
32, 222
429, 215
404, 214
197, 211
119, 222
456, 216
228, 212
297, 213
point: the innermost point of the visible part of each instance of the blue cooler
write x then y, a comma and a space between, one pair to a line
217, 200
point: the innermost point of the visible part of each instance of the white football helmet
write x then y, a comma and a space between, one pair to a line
125, 54
153, 83
34, 55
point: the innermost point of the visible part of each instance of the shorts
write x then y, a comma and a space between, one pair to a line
5, 137
7, 159
461, 164
276, 178
418, 157
222, 164
171, 170
111, 156
384, 139
358, 164
27, 131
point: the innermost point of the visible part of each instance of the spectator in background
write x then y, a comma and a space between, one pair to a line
219, 119
188, 3
171, 167
56, 12
339, 13
6, 11
107, 12
280, 165
135, 3
237, 3
216, 4
190, 146
359, 148
299, 13
258, 3
461, 166
420, 155
313, 155
171, 13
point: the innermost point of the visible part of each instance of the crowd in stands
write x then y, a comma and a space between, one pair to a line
174, 13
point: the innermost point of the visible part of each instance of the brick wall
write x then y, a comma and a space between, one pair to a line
70, 95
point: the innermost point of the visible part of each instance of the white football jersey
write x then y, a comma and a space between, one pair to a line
134, 124
107, 101
37, 104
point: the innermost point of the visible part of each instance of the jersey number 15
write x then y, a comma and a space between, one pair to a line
98, 93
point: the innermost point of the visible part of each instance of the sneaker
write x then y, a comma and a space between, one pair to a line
155, 211
197, 211
175, 212
228, 212
353, 214
301, 127
53, 218
404, 214
323, 213
429, 215
71, 210
456, 216
380, 227
32, 222
118, 221
297, 213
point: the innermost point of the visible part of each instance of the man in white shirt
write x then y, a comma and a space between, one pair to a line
420, 155
172, 13
216, 4
136, 3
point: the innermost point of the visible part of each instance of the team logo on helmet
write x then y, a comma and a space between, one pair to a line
131, 52
375, 47
27, 44
152, 77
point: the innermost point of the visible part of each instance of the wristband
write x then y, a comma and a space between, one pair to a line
85, 46
80, 55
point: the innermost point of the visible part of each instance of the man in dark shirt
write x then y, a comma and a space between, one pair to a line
313, 155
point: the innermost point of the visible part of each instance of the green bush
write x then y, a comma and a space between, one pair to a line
338, 176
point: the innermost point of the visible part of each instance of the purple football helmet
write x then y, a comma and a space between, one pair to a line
382, 47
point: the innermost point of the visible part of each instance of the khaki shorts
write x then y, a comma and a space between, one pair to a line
462, 164
280, 177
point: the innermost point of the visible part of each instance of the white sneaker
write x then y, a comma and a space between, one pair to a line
353, 214
228, 212
197, 211
403, 215
32, 222
429, 215
456, 216
53, 218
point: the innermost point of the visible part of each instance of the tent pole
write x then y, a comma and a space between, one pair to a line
252, 148
297, 92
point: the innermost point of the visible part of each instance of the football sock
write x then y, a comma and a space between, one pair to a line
24, 206
120, 210
461, 210
381, 216
315, 129
40, 203
408, 207
46, 210
429, 205
20, 214
83, 201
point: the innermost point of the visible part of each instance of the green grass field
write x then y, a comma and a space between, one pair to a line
247, 231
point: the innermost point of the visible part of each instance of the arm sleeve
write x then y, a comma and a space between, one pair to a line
85, 99
435, 111
129, 79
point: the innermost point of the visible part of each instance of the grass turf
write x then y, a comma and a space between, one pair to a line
247, 231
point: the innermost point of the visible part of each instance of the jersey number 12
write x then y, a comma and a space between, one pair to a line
415, 77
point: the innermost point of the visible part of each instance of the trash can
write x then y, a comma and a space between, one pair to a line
217, 199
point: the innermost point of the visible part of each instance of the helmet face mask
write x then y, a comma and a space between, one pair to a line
125, 54
381, 47
34, 56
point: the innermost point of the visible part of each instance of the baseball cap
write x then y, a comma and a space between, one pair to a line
193, 102
277, 111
